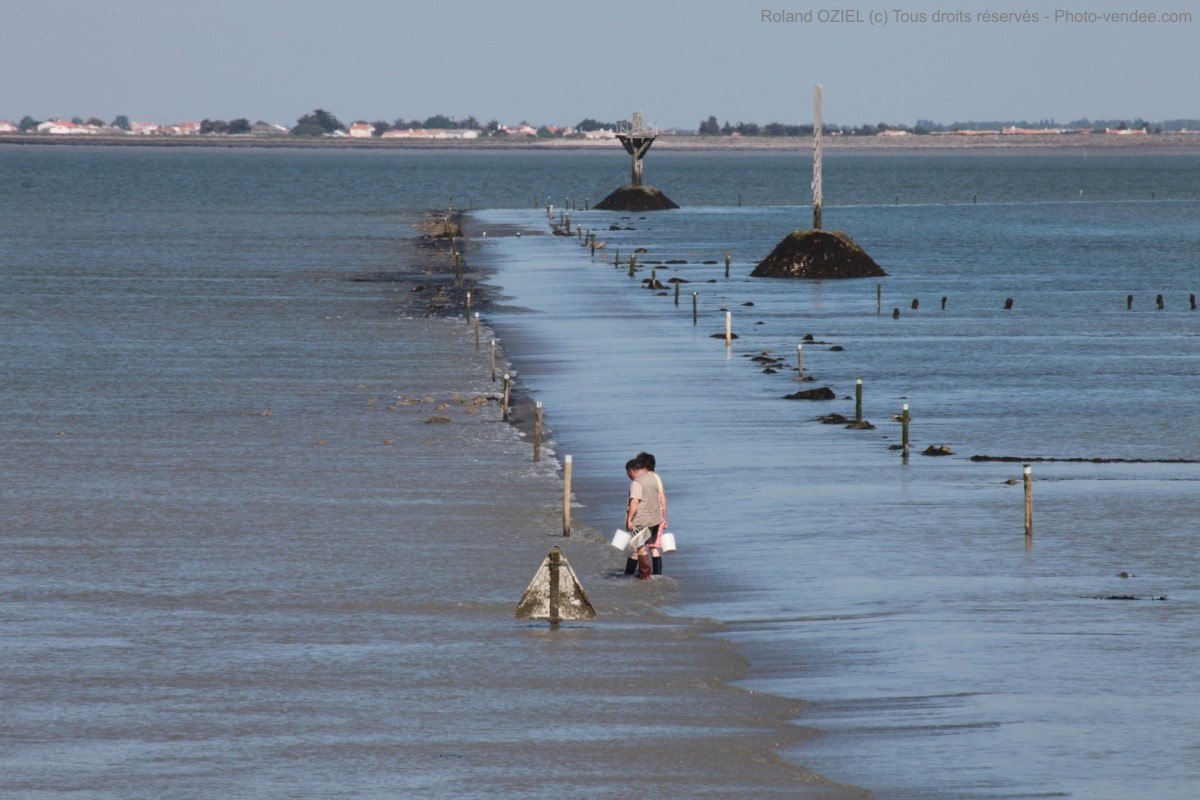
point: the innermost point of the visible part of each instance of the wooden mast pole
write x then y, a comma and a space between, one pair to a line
816, 180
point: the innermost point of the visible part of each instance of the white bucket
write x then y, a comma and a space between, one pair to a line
620, 540
668, 543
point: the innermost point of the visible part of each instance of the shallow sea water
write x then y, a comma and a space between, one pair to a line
237, 562
943, 658
200, 599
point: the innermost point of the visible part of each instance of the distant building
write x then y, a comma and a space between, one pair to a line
519, 130
267, 129
893, 133
432, 133
185, 129
58, 127
1126, 131
362, 130
7, 127
604, 133
145, 128
1030, 131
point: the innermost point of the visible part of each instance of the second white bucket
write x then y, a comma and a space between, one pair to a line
668, 543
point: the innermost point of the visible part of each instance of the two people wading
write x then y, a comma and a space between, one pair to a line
645, 512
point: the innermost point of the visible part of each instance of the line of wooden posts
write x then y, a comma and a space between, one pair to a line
539, 416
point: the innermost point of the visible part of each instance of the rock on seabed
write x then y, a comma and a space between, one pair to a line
817, 254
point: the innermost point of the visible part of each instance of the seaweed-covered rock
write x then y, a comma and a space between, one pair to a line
817, 254
821, 393
636, 198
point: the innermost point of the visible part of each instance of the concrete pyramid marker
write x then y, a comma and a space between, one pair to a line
555, 593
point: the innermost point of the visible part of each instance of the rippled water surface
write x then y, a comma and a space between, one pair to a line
944, 658
171, 551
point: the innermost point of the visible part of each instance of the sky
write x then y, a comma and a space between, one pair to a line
558, 62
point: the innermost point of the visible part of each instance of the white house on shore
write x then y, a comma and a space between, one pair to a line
431, 133
7, 127
362, 130
519, 130
58, 127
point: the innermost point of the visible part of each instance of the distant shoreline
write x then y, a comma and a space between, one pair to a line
1158, 144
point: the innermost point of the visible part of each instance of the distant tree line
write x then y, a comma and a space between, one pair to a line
713, 127
320, 122
239, 125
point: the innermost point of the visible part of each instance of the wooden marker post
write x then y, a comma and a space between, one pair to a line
727, 265
878, 298
537, 432
904, 434
555, 591
728, 329
476, 330
617, 258
816, 178
858, 400
568, 225
653, 276
493, 360
1128, 302
1028, 474
567, 496
632, 265
504, 402
799, 363
695, 304
592, 244
468, 307
677, 294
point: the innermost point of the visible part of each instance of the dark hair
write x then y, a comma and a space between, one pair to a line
646, 459
633, 464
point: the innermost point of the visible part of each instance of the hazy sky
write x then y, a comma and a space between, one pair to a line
546, 62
